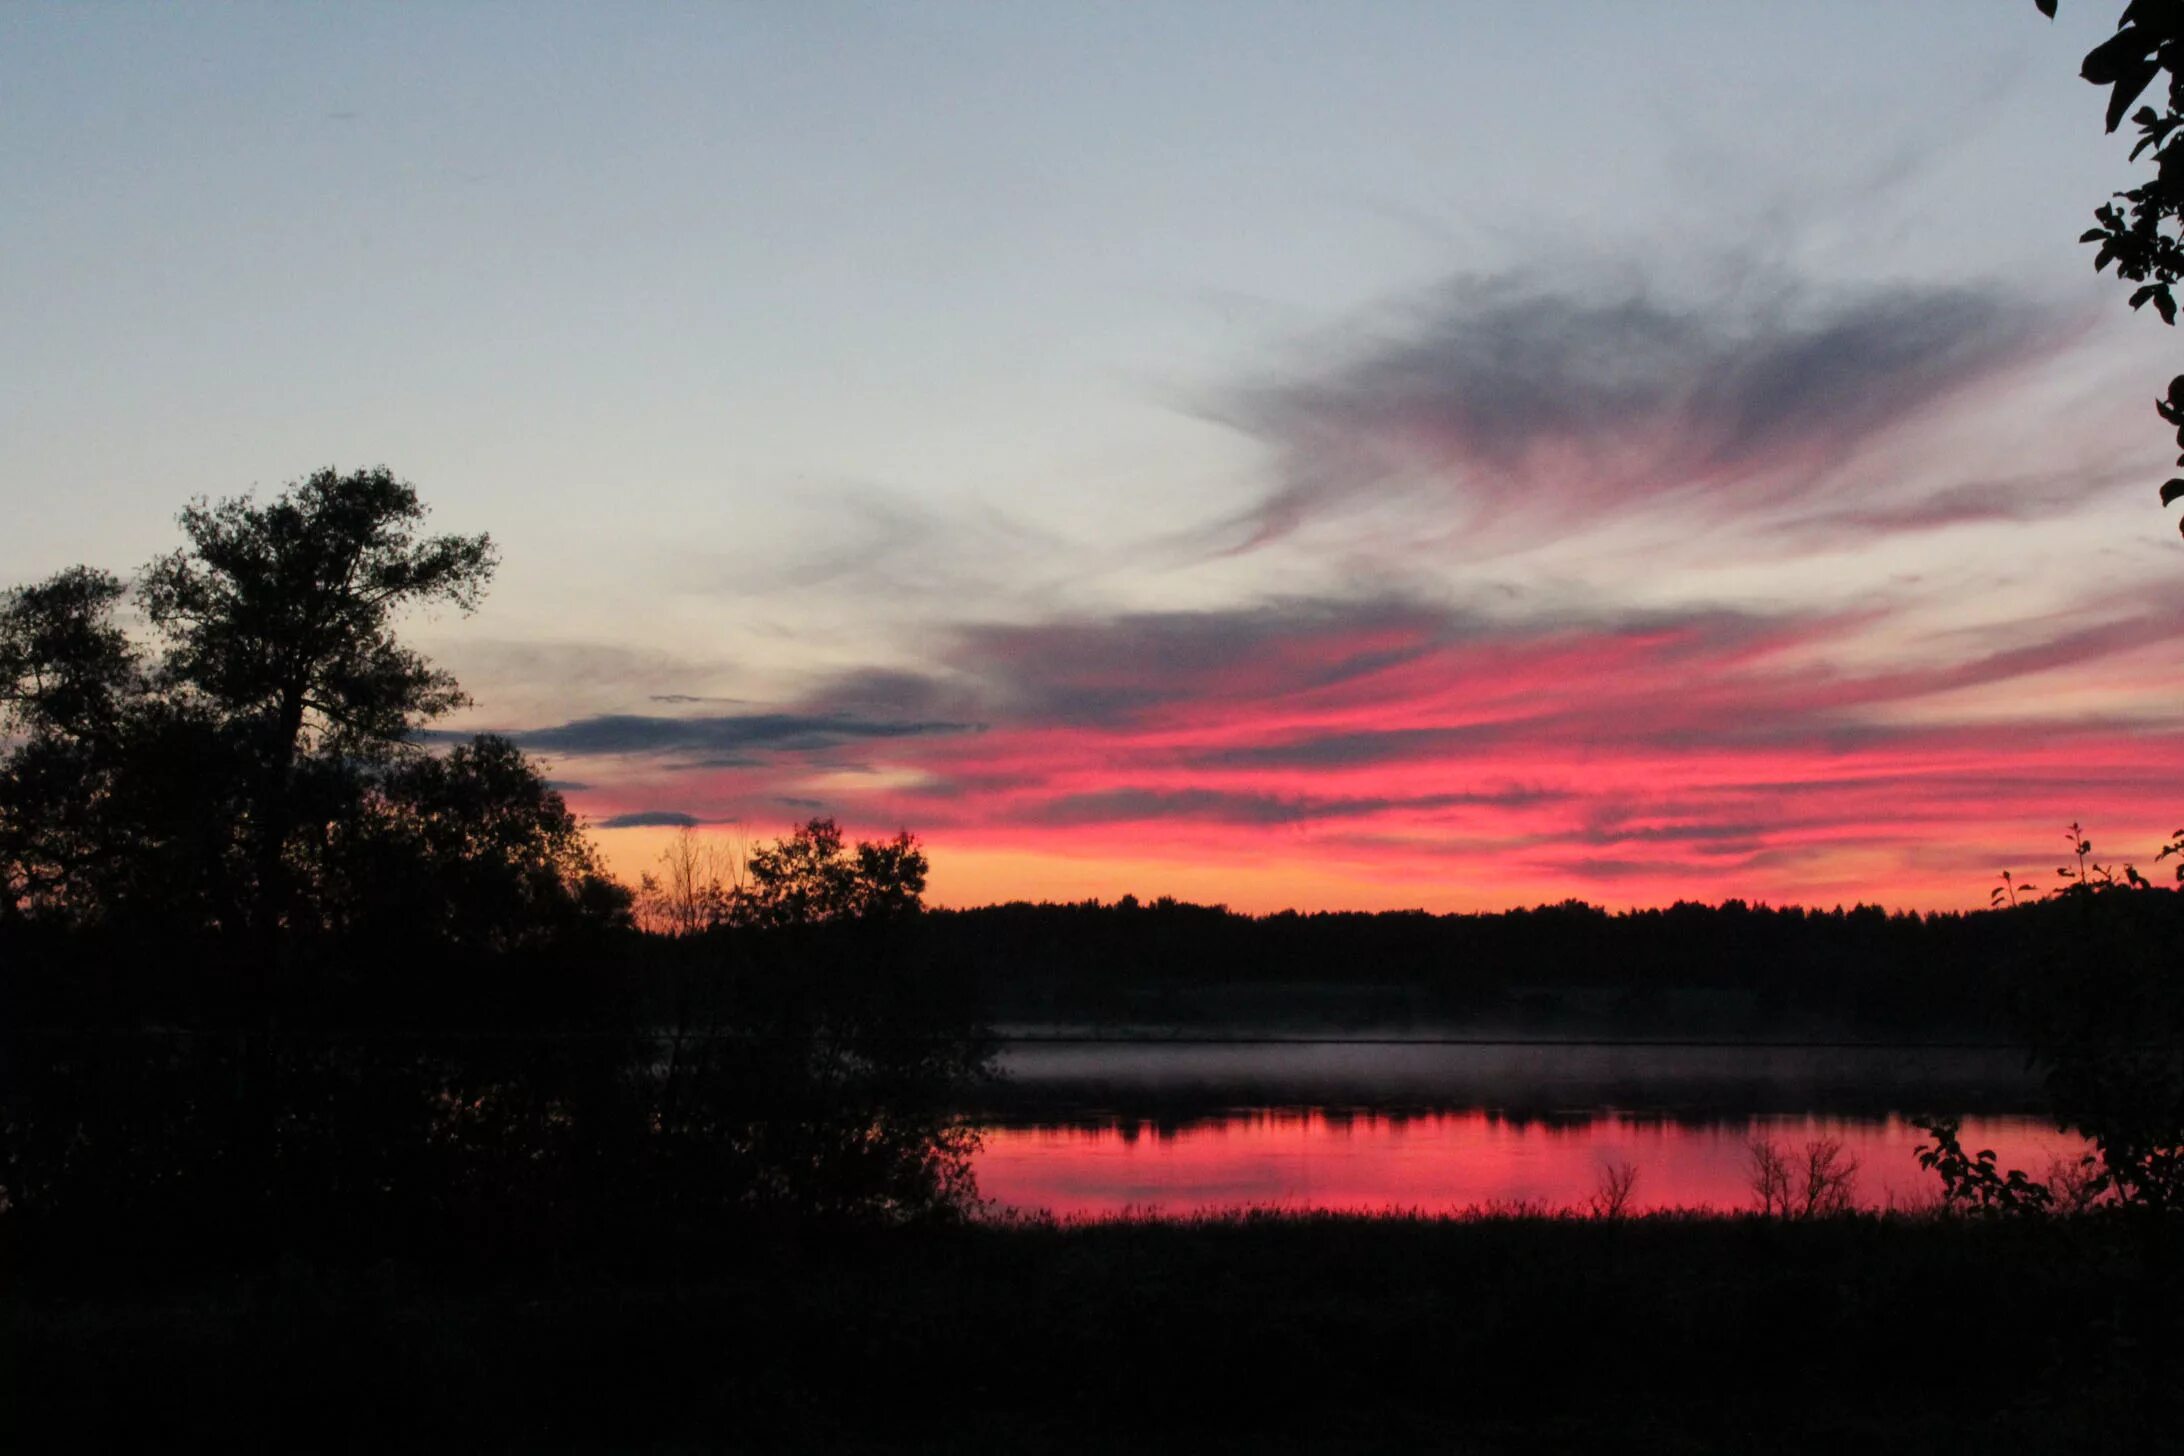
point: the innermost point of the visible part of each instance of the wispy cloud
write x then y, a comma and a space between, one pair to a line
1525, 401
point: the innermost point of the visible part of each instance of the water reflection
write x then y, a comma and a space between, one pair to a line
1446, 1162
1097, 1129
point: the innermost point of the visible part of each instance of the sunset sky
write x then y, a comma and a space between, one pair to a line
1289, 455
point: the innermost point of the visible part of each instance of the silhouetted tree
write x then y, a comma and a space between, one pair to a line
1821, 1184
67, 677
65, 668
117, 802
809, 878
695, 886
256, 764
281, 618
816, 1047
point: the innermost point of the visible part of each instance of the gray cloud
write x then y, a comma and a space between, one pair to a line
1102, 670
2007, 501
1518, 395
1216, 806
1869, 511
724, 738
894, 693
649, 819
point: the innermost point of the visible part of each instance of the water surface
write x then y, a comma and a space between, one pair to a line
1090, 1129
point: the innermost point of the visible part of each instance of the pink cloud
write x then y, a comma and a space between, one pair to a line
1444, 756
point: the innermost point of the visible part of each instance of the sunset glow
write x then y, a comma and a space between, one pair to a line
1042, 433
1388, 756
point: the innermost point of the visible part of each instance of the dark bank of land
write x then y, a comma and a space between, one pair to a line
1666, 1333
499, 1202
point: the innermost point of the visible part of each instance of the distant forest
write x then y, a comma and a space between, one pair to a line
1734, 969
1731, 971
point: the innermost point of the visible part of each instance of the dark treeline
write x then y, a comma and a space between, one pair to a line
1571, 968
1732, 969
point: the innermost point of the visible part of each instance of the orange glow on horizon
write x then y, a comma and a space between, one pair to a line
966, 875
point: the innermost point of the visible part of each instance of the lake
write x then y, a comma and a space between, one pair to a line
1097, 1129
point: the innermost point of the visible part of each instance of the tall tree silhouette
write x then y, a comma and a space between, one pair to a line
281, 617
255, 764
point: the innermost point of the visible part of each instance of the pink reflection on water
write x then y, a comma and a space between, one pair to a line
1449, 1161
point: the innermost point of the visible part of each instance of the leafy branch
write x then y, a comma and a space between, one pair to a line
2140, 232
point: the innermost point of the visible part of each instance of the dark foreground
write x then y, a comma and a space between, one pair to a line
1501, 1334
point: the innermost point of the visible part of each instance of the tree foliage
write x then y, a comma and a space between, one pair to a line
811, 878
283, 614
256, 763
65, 668
469, 848
1970, 1182
2099, 1006
2140, 231
278, 618
117, 802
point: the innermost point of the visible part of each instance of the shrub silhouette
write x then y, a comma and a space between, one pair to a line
1820, 1182
1612, 1190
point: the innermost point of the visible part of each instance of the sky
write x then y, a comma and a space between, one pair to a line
1440, 455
